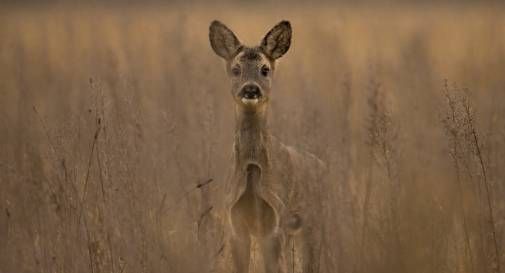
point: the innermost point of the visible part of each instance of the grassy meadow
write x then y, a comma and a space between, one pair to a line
117, 123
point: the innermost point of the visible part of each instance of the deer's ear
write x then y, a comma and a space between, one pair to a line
277, 41
222, 40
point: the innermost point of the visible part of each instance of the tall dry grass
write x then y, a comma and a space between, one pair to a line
116, 129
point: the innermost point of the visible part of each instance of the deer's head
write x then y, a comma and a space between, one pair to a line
250, 68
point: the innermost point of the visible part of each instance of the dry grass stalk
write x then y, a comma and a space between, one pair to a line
466, 150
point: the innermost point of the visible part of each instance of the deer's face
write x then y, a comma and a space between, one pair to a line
250, 72
250, 68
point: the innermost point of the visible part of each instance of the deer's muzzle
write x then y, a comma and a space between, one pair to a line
250, 94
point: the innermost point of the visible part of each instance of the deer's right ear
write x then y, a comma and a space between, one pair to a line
222, 40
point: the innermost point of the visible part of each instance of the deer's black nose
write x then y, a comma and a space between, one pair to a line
251, 91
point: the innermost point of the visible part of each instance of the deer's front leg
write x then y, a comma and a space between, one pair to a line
271, 248
240, 240
241, 248
311, 243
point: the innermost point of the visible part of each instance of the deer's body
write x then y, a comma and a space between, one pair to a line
273, 194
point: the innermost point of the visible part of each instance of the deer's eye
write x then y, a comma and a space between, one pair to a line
235, 71
265, 71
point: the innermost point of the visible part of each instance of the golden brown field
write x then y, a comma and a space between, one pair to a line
116, 127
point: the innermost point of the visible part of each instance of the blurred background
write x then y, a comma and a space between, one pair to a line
116, 128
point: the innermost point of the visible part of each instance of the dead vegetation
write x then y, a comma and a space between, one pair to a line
116, 132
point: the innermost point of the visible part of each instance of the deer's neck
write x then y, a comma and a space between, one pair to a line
251, 138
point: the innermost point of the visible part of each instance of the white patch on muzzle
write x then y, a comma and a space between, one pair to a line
250, 101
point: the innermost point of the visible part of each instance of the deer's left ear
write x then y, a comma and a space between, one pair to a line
277, 41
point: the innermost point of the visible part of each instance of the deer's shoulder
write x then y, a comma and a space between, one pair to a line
299, 160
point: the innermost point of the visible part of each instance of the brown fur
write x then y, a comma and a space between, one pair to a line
273, 194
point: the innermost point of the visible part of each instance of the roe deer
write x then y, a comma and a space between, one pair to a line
273, 196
